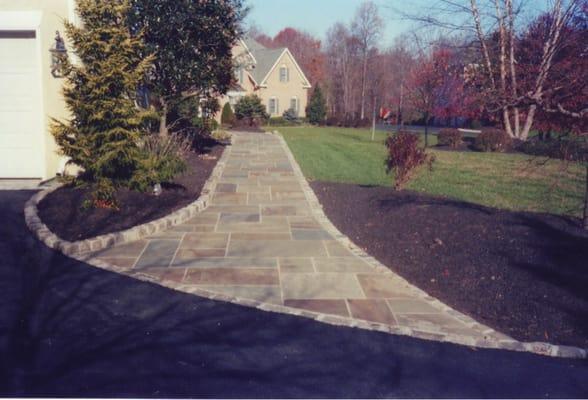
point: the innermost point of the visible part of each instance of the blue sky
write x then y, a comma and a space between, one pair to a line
317, 16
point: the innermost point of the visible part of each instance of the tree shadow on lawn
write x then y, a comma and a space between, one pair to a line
69, 329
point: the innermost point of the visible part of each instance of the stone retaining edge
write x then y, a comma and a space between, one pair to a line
492, 339
539, 348
50, 239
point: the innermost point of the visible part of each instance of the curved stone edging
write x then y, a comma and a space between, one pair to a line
50, 239
507, 343
491, 340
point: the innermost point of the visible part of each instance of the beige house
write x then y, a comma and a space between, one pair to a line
272, 74
30, 94
30, 90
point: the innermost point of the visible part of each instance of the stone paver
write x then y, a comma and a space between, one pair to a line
264, 238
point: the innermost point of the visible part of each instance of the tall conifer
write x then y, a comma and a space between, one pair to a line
105, 127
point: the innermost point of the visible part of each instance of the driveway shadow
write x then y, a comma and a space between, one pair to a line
69, 329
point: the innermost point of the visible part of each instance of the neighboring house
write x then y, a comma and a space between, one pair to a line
272, 74
30, 95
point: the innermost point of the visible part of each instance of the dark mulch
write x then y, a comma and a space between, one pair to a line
63, 213
524, 274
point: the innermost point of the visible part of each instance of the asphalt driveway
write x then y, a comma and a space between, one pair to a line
69, 329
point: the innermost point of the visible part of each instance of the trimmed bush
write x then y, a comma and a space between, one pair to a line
404, 157
493, 139
450, 137
250, 111
227, 115
291, 116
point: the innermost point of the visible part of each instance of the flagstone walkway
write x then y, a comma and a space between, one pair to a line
265, 240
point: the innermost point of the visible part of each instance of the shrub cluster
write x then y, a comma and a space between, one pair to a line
347, 121
291, 116
161, 159
281, 121
250, 112
567, 147
450, 137
493, 139
404, 157
194, 118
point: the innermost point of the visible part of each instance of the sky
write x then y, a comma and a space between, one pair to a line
317, 16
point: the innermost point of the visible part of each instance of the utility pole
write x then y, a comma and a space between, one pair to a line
374, 121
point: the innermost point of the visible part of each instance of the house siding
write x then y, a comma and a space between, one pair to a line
52, 14
285, 91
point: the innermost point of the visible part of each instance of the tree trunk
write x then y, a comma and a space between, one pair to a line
585, 221
163, 131
528, 122
399, 120
363, 79
374, 121
426, 130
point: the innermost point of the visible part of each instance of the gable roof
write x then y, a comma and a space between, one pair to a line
267, 60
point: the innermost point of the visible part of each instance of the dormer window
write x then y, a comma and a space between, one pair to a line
284, 74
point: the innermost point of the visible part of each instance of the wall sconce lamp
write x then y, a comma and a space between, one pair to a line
58, 56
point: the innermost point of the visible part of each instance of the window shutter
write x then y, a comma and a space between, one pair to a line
287, 74
277, 106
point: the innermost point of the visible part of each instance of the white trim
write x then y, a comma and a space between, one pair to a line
236, 93
72, 15
276, 106
295, 98
306, 85
248, 51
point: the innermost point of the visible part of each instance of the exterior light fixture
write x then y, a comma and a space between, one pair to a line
58, 56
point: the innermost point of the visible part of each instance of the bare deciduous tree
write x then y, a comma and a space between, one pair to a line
367, 27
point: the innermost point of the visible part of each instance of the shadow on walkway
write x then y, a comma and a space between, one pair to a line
68, 329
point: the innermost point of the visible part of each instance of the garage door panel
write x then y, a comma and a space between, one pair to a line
21, 127
17, 83
29, 162
17, 126
16, 103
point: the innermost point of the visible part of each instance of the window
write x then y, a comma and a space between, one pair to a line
294, 103
273, 106
284, 74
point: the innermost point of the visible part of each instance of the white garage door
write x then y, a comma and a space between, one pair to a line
21, 131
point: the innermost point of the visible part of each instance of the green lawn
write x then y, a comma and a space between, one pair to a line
506, 181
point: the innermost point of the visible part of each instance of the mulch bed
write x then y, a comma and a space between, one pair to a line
524, 274
63, 213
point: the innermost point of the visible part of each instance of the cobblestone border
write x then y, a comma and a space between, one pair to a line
488, 342
492, 338
50, 239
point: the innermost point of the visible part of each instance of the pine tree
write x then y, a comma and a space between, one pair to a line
104, 131
317, 107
